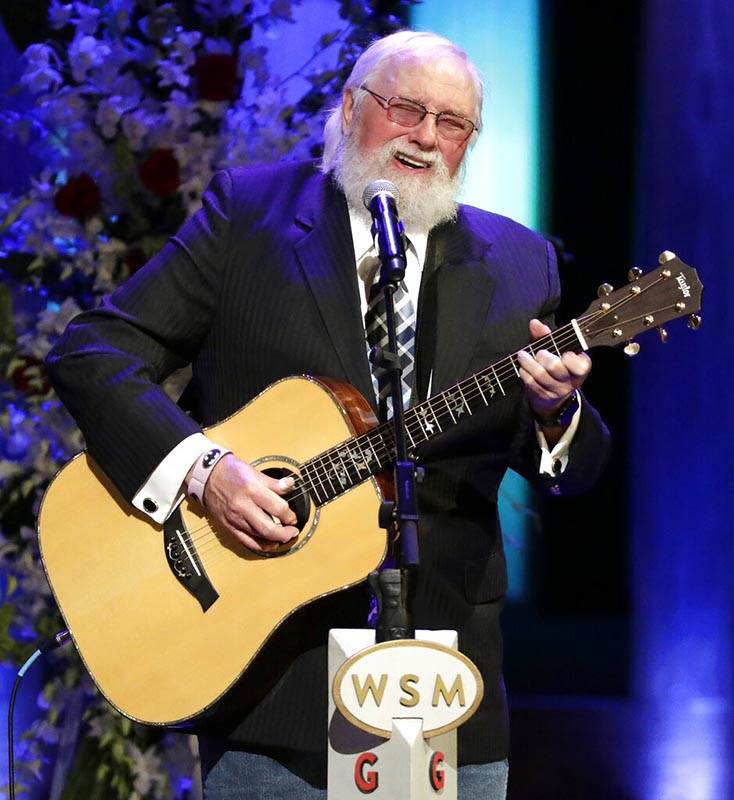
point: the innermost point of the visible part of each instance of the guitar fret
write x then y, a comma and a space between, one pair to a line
374, 452
512, 362
427, 427
463, 397
327, 470
430, 405
312, 483
321, 478
499, 382
555, 346
479, 386
577, 330
448, 407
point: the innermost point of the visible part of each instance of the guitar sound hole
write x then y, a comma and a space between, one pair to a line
298, 500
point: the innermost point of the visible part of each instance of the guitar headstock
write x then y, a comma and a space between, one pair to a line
648, 301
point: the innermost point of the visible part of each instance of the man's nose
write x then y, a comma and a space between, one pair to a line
425, 134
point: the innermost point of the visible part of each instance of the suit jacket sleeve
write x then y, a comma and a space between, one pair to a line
109, 363
589, 450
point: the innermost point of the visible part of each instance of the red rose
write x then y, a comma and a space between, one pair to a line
29, 377
216, 74
160, 172
79, 197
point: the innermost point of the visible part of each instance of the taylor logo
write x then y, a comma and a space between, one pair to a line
683, 285
407, 678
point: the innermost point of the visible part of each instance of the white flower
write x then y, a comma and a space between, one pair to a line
136, 126
93, 227
109, 111
9, 470
107, 117
68, 108
129, 91
40, 75
88, 18
184, 44
59, 14
192, 190
107, 261
88, 149
106, 76
148, 770
86, 52
180, 112
172, 73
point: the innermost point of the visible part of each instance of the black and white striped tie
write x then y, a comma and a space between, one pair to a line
375, 321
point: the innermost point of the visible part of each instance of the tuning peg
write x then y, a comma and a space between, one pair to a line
694, 322
634, 274
631, 348
604, 290
663, 335
665, 256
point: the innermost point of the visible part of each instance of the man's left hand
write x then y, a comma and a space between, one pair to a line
550, 380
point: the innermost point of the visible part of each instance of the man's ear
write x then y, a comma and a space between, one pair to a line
347, 109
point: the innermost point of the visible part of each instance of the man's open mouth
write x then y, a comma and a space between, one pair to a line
411, 162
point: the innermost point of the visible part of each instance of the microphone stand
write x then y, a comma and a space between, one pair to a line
394, 586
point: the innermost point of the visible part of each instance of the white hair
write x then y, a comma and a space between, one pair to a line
401, 44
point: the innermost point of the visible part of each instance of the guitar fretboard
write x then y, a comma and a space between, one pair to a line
351, 462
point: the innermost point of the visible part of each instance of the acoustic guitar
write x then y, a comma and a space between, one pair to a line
168, 618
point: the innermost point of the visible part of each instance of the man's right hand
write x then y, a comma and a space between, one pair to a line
249, 504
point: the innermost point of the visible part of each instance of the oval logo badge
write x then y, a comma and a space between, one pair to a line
407, 678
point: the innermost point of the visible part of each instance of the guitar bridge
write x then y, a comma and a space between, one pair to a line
185, 563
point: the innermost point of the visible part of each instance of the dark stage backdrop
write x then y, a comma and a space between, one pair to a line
577, 614
680, 411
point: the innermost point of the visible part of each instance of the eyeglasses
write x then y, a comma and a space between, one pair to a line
452, 127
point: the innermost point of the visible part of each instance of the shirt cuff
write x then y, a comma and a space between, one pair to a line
554, 462
164, 489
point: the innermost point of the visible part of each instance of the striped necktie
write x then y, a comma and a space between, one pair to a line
375, 322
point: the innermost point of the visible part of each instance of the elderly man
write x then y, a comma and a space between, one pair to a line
272, 278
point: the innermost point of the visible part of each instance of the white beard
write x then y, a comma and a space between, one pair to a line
426, 198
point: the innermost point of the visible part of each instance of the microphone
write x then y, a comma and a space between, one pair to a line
380, 198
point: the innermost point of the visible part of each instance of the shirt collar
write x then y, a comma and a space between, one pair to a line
363, 244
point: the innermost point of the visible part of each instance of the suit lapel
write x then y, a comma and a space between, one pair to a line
464, 289
326, 254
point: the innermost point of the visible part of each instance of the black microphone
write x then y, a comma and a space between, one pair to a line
381, 198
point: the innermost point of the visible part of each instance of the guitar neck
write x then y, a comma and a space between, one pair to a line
338, 469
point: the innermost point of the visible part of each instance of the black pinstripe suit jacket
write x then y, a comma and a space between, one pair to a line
261, 284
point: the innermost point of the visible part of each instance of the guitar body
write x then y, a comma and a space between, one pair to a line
156, 651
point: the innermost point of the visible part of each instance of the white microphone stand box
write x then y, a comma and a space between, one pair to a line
393, 713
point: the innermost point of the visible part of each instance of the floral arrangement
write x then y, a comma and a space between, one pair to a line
136, 104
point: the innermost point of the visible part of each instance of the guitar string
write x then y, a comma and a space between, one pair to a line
320, 463
324, 462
